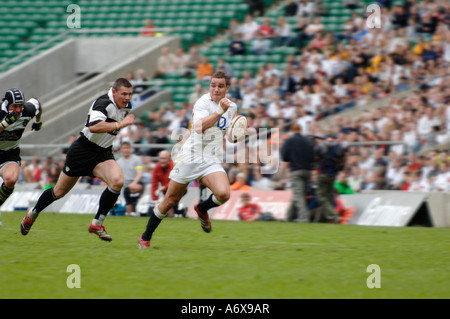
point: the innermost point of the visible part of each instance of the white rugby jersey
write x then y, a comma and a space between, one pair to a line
10, 137
208, 146
104, 109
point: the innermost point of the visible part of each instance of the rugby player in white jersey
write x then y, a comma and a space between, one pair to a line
91, 155
200, 157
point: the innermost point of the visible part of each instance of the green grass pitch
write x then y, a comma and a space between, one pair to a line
237, 260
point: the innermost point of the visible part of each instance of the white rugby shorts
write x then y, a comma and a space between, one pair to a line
184, 173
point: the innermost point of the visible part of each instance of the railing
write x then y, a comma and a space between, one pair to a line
170, 146
62, 146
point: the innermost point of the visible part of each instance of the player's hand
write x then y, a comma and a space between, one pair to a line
9, 119
128, 120
224, 104
162, 189
36, 126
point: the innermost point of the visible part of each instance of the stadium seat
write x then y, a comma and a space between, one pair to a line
27, 23
214, 58
4, 46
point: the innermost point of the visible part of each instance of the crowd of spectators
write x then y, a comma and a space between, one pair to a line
331, 71
350, 69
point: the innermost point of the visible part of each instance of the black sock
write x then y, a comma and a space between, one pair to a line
4, 193
46, 198
203, 207
152, 224
106, 203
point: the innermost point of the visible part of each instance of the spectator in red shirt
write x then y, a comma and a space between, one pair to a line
249, 211
413, 163
160, 183
406, 180
149, 29
266, 28
160, 176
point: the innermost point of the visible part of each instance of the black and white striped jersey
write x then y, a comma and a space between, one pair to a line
104, 109
10, 137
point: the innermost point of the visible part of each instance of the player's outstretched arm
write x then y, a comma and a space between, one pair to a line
104, 127
206, 122
37, 125
39, 115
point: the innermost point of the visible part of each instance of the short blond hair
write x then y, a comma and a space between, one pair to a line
245, 195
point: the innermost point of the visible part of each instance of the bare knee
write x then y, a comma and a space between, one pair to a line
222, 196
10, 177
10, 181
116, 183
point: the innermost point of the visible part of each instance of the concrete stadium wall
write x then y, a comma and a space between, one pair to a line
437, 203
375, 208
63, 63
65, 109
43, 73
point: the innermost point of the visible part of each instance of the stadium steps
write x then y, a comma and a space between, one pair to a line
66, 105
19, 20
26, 24
217, 48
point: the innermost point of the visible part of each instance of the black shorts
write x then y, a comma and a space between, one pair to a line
12, 155
83, 156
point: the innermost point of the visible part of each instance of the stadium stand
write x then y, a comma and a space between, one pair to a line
404, 83
189, 21
26, 24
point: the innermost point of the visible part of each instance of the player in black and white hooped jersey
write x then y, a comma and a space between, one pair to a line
91, 155
15, 114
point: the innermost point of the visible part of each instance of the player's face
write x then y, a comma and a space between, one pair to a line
16, 108
217, 89
122, 96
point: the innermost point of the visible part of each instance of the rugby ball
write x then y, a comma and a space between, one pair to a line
236, 129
